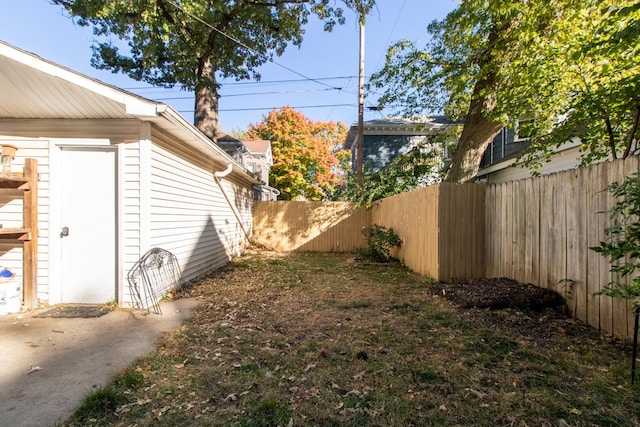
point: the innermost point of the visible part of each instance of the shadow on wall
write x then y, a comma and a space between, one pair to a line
309, 226
209, 253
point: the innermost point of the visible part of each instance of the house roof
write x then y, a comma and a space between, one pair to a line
225, 138
435, 125
258, 146
34, 88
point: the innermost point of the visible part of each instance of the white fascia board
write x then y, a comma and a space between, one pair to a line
141, 108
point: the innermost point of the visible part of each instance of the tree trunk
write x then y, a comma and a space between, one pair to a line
477, 134
206, 103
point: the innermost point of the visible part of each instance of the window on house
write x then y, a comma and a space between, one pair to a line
251, 167
523, 130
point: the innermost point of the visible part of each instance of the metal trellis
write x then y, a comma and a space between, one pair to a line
154, 275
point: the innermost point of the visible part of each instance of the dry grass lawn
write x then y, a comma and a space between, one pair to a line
314, 340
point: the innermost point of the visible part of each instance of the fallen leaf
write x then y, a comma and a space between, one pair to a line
33, 369
442, 407
476, 393
359, 375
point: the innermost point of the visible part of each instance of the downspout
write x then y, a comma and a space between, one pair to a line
222, 174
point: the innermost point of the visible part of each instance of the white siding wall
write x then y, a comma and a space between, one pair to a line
130, 213
189, 214
11, 211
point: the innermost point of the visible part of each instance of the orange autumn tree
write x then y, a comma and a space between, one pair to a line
306, 154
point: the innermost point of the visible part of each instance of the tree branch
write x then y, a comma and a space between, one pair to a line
632, 132
612, 140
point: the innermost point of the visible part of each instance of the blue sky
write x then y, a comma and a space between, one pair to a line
332, 58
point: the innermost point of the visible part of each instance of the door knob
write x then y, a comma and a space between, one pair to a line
64, 232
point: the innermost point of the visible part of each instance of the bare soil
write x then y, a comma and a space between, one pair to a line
522, 310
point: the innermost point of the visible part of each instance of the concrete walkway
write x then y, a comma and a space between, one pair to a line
48, 365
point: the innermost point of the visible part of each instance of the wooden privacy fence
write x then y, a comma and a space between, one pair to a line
537, 230
441, 228
309, 226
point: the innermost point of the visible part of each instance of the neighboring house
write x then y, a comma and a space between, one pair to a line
232, 146
256, 157
385, 139
119, 175
498, 161
258, 160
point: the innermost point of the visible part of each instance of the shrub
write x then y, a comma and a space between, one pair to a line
380, 240
623, 240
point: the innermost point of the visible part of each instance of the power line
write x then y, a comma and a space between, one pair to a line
391, 32
259, 82
175, 98
272, 108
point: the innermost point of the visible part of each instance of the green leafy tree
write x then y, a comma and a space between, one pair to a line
595, 85
560, 64
192, 43
421, 167
306, 154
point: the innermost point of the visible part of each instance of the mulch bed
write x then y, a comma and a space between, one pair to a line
499, 294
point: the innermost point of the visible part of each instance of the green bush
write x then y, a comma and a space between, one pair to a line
380, 240
622, 246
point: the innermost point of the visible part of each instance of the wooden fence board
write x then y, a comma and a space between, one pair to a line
546, 219
507, 231
490, 220
619, 308
631, 166
575, 285
532, 231
517, 232
560, 235
502, 218
594, 236
492, 217
606, 318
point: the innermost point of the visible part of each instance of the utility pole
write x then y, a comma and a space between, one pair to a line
360, 104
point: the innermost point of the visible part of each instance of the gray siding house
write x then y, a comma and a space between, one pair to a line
387, 138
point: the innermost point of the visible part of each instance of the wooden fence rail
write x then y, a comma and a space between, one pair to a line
537, 230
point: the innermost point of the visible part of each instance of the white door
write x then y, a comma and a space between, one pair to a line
88, 220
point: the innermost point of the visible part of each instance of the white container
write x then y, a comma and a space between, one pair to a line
10, 296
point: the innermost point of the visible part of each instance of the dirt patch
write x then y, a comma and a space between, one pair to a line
498, 294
